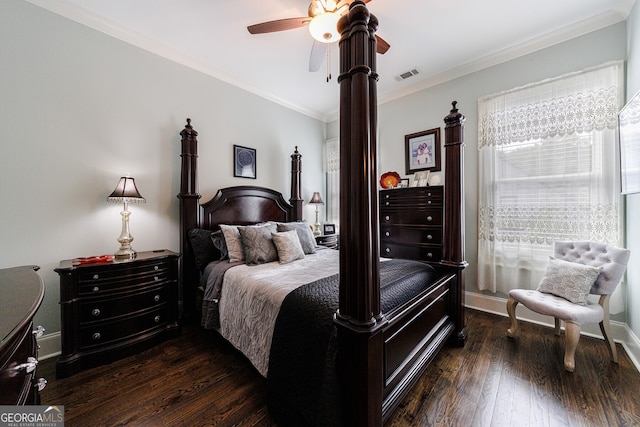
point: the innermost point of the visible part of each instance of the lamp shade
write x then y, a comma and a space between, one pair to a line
126, 191
316, 199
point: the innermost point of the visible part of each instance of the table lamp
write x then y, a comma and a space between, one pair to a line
125, 192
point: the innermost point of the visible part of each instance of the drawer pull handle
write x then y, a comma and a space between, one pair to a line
387, 250
96, 277
96, 336
95, 312
41, 384
429, 218
429, 194
96, 289
156, 298
386, 233
39, 331
155, 267
157, 319
429, 237
429, 255
428, 202
387, 203
386, 218
28, 366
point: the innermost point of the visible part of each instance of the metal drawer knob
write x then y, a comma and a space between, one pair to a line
386, 233
155, 267
156, 298
157, 319
428, 202
429, 255
386, 218
387, 250
429, 237
96, 289
429, 218
28, 366
96, 277
95, 312
156, 278
39, 331
96, 336
41, 384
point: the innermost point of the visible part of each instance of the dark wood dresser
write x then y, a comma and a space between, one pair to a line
411, 223
112, 310
21, 293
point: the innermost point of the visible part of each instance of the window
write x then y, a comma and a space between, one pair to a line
548, 171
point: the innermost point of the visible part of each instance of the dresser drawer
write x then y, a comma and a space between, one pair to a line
421, 197
422, 253
411, 234
17, 384
118, 279
105, 333
431, 217
93, 310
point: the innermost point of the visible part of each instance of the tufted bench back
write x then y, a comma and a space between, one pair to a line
612, 259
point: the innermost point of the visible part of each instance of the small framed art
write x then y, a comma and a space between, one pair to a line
329, 229
244, 162
422, 151
421, 178
404, 183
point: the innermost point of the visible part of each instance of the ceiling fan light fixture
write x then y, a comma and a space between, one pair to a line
324, 27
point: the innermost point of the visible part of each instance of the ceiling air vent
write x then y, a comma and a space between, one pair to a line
408, 74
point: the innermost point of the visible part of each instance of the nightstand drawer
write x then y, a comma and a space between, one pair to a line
107, 308
100, 335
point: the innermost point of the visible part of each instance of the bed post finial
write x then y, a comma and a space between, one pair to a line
296, 192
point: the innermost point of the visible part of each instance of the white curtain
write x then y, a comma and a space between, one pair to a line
332, 171
548, 171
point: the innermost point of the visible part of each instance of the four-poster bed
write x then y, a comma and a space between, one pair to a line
377, 347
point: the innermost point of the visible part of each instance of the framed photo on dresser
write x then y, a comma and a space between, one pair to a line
422, 151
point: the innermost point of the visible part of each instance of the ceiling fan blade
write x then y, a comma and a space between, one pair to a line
318, 51
278, 25
382, 46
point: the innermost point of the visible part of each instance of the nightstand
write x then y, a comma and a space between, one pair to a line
115, 309
328, 240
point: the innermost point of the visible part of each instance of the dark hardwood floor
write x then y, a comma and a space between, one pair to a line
199, 380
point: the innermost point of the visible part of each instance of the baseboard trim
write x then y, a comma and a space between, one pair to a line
495, 305
50, 346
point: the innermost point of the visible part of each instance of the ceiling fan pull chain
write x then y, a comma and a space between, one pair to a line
328, 63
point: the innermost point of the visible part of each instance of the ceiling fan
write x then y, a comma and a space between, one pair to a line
322, 20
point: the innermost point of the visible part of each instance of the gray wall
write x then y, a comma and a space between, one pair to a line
80, 109
633, 201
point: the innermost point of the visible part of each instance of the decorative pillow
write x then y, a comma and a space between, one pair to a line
218, 241
288, 246
257, 244
233, 242
307, 240
569, 280
203, 249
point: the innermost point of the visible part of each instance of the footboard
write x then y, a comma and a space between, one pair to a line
415, 333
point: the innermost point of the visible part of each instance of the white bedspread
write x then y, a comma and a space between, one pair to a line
251, 297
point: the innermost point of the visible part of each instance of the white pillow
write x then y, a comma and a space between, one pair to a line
288, 246
569, 280
233, 241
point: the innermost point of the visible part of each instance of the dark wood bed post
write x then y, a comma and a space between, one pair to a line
296, 187
359, 319
189, 204
453, 248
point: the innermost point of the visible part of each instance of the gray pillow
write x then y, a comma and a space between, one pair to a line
288, 246
257, 244
307, 240
233, 242
569, 280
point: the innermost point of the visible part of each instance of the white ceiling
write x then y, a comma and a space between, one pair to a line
441, 39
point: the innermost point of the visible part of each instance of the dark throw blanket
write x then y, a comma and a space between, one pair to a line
302, 387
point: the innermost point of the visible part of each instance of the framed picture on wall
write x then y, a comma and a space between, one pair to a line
422, 151
244, 162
